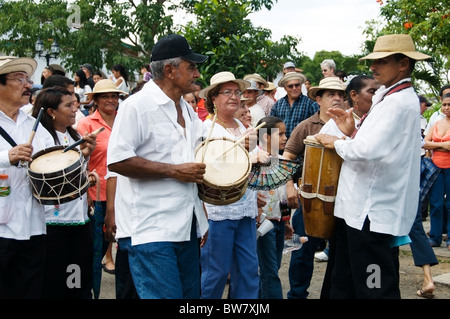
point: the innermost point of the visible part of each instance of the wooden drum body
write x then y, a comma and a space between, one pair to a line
318, 188
226, 177
58, 177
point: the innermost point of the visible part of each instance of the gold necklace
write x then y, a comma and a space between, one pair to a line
230, 130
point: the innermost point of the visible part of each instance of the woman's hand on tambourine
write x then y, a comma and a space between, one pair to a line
189, 172
19, 153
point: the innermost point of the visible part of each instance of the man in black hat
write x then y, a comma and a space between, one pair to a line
157, 208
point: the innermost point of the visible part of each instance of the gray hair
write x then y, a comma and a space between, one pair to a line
330, 63
157, 67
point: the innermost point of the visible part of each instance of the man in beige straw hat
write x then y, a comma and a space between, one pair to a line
152, 145
22, 218
329, 93
378, 191
294, 107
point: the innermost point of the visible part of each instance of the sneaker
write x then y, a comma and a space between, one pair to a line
321, 256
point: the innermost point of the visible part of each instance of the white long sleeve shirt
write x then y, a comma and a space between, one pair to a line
155, 209
380, 173
21, 215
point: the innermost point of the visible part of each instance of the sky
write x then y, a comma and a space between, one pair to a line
321, 24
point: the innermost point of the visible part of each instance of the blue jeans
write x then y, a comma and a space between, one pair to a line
301, 266
270, 253
441, 186
165, 270
230, 249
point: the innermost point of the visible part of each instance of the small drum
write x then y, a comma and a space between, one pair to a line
226, 177
58, 177
318, 188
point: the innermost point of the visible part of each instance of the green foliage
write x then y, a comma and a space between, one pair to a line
224, 32
428, 23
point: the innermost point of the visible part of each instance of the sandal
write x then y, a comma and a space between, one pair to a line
425, 294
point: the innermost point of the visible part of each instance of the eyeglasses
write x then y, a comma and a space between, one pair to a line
24, 81
291, 86
229, 93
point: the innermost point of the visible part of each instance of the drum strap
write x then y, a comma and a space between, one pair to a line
6, 136
9, 139
396, 88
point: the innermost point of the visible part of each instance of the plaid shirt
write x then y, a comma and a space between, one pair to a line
428, 174
302, 108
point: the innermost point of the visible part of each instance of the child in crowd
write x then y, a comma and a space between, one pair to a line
272, 139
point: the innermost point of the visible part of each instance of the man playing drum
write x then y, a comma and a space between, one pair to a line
152, 147
22, 221
378, 190
329, 93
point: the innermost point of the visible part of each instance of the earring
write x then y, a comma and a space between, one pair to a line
53, 117
356, 106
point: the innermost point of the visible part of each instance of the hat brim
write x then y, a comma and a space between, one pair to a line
312, 92
291, 76
195, 58
242, 86
411, 54
27, 65
106, 91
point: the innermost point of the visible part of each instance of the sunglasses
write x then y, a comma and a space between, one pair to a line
291, 86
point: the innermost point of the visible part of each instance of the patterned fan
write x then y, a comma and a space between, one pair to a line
270, 175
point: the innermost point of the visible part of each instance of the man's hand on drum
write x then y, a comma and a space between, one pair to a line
292, 194
344, 119
327, 140
189, 172
89, 145
20, 152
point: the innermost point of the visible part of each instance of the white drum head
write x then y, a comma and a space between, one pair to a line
54, 161
227, 169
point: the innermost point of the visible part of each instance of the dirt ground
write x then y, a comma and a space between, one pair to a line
410, 277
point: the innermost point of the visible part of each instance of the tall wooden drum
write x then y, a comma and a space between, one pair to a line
318, 188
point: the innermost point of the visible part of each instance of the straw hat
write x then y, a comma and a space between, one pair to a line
257, 78
387, 45
220, 78
9, 64
291, 76
328, 83
105, 86
270, 87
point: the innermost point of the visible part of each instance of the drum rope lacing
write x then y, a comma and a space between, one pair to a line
53, 188
322, 197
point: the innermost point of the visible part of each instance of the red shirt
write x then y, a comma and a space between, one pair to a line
97, 160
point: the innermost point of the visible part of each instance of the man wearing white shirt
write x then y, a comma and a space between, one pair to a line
22, 218
378, 190
159, 215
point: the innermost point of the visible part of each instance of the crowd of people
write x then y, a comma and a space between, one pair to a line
143, 174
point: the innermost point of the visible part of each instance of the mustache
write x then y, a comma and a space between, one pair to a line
27, 91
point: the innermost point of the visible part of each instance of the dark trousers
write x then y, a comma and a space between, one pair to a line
365, 265
68, 269
124, 282
22, 267
422, 252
